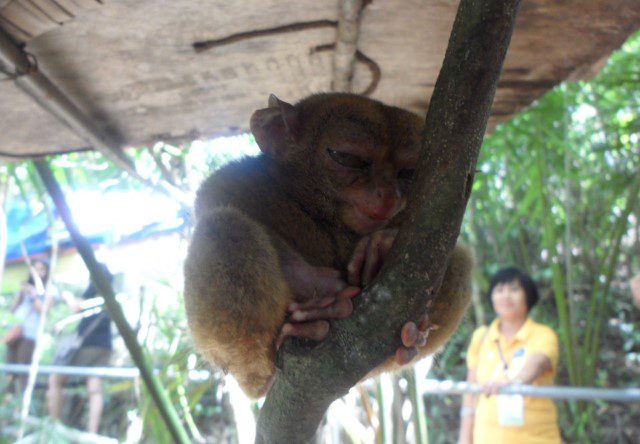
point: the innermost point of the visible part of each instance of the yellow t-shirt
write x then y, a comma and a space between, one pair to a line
540, 416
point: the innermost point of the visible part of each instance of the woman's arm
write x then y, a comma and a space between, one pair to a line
73, 303
535, 366
468, 412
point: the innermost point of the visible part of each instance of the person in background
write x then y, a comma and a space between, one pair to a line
514, 349
27, 309
95, 349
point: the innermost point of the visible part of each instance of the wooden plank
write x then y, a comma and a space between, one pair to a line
86, 4
17, 33
68, 6
52, 10
131, 65
36, 12
26, 20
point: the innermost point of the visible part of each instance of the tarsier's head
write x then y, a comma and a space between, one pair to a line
345, 153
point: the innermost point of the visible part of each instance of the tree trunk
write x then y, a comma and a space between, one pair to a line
308, 380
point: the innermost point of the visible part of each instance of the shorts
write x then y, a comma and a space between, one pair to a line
20, 351
90, 356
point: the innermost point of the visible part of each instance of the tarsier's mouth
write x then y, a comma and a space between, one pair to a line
366, 223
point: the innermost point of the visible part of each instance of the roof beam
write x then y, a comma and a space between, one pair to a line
348, 32
35, 84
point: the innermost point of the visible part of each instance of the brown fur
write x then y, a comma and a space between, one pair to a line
296, 201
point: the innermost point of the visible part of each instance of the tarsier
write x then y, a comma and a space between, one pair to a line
285, 240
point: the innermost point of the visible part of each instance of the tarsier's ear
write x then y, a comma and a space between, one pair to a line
275, 127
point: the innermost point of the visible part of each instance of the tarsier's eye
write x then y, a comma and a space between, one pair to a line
405, 173
348, 160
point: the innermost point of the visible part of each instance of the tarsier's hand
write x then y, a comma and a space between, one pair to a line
366, 261
369, 255
320, 294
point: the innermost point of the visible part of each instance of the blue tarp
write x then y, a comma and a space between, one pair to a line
111, 217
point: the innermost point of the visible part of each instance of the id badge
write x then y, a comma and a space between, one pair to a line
511, 410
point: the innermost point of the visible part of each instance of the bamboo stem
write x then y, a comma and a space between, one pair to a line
102, 283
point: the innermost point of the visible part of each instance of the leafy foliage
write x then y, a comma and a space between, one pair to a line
557, 195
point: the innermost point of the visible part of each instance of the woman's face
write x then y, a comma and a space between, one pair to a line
509, 300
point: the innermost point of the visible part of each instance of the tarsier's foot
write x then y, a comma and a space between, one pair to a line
319, 294
413, 336
309, 319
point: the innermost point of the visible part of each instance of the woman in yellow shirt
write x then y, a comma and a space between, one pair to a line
514, 349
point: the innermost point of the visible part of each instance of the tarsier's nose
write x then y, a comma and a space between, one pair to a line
384, 203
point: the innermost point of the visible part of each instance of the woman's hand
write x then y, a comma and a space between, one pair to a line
493, 387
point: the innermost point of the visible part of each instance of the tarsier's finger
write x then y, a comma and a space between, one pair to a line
424, 323
342, 308
350, 292
373, 261
328, 281
412, 336
328, 273
405, 355
409, 334
315, 331
354, 268
312, 303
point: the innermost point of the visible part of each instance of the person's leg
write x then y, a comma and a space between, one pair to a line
54, 395
12, 358
91, 356
24, 356
96, 400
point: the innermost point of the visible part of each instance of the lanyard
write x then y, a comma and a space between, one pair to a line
505, 364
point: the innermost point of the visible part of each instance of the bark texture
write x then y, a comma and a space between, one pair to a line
308, 380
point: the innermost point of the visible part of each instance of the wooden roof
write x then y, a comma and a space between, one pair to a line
131, 66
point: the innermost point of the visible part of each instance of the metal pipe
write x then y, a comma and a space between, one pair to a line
103, 372
431, 386
435, 387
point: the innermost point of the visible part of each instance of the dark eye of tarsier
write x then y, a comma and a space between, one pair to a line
348, 160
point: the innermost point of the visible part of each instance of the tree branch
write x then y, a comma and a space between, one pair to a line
308, 380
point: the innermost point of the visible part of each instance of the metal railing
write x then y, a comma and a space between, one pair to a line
103, 372
632, 394
428, 387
